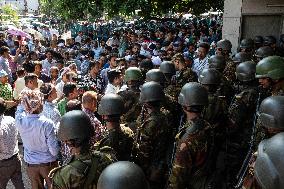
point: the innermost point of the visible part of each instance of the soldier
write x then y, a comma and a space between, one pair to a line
134, 79
184, 74
263, 52
153, 135
119, 137
270, 74
192, 167
168, 69
83, 169
224, 48
123, 175
241, 118
242, 57
247, 45
258, 41
218, 62
271, 118
269, 163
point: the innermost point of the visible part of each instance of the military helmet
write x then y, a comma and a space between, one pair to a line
167, 67
209, 76
75, 125
242, 57
193, 94
146, 65
151, 92
269, 164
111, 104
258, 39
247, 43
224, 44
218, 62
133, 74
122, 175
263, 52
282, 38
245, 71
269, 40
155, 75
271, 67
271, 112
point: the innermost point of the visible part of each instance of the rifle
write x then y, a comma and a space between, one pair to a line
174, 148
242, 173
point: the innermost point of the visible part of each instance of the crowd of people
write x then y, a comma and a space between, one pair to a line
155, 105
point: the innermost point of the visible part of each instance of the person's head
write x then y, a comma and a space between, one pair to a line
224, 47
111, 107
31, 81
270, 71
49, 92
3, 77
64, 76
5, 52
38, 67
20, 72
94, 68
114, 177
54, 72
179, 61
32, 101
136, 48
49, 54
114, 77
60, 64
112, 60
73, 67
89, 100
73, 104
23, 49
76, 130
203, 49
33, 56
70, 91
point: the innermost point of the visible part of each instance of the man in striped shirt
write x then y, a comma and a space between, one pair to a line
201, 62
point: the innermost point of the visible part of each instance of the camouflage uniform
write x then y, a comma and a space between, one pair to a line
184, 76
190, 167
121, 140
78, 170
153, 139
230, 70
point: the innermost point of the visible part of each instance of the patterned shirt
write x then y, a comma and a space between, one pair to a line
6, 91
8, 137
92, 84
199, 65
100, 130
50, 111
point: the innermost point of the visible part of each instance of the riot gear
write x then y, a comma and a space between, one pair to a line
151, 92
270, 67
155, 75
245, 71
122, 175
193, 94
271, 112
75, 125
209, 76
111, 104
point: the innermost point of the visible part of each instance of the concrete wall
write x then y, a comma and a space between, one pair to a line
245, 18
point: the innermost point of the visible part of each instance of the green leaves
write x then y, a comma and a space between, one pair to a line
84, 9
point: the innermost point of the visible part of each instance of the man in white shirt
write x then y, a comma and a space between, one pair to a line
79, 37
48, 62
201, 62
115, 79
10, 163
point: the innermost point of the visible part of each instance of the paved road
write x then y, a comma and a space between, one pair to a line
24, 173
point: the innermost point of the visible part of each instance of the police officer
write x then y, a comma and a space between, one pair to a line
119, 137
191, 167
82, 170
270, 74
123, 175
153, 134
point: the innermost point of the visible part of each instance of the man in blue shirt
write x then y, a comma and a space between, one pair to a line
39, 140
